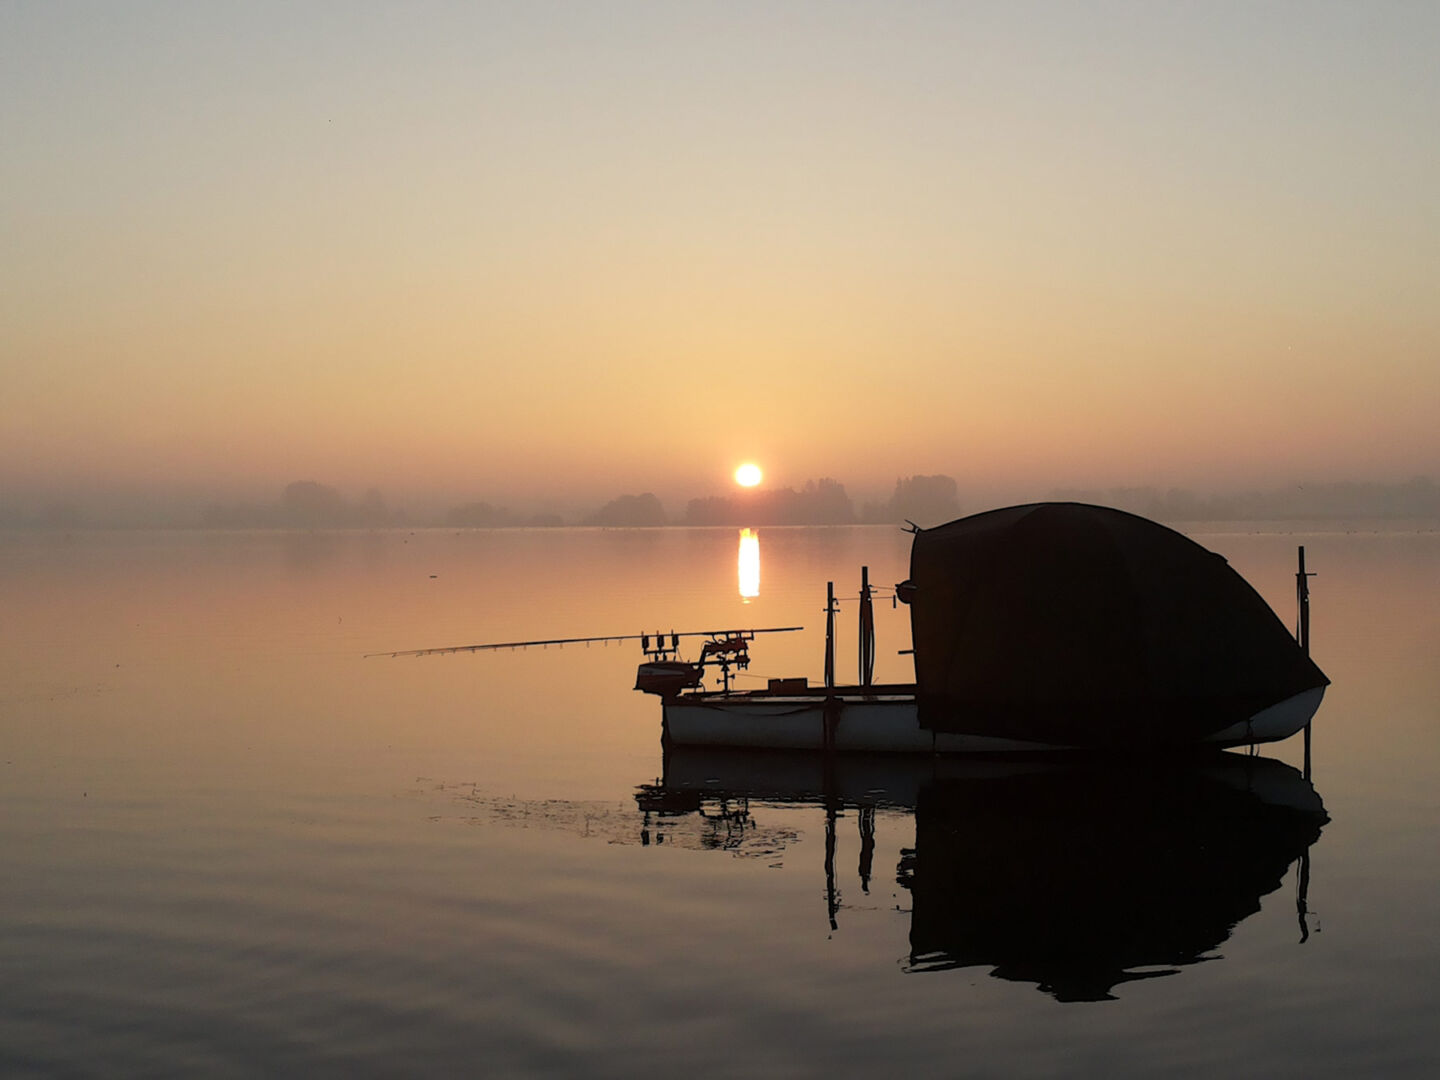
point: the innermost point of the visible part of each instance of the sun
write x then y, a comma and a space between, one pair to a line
748, 475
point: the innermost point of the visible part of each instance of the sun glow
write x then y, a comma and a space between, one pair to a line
748, 475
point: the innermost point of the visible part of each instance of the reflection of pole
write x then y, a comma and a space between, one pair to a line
833, 806
829, 633
1301, 895
867, 845
1302, 632
832, 897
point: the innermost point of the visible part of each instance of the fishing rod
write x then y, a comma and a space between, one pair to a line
644, 639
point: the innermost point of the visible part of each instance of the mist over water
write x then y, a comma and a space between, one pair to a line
235, 845
927, 499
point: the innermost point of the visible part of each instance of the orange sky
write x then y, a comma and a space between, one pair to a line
472, 251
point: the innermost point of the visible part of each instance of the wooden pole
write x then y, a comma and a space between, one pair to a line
867, 629
829, 634
1302, 598
1302, 588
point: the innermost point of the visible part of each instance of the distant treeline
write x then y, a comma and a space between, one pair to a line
1415, 498
819, 502
923, 500
304, 504
926, 500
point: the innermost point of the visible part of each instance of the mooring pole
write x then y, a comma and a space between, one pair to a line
1302, 632
867, 629
829, 634
1302, 593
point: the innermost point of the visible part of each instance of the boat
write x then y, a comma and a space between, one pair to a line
1045, 627
1042, 627
886, 719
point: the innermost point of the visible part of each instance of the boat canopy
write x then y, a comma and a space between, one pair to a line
1089, 626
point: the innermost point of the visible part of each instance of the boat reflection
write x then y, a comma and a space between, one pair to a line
1078, 877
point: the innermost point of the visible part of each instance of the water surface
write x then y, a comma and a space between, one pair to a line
234, 845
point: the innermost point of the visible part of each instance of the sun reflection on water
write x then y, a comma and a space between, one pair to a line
749, 563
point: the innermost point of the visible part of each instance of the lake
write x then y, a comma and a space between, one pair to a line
235, 845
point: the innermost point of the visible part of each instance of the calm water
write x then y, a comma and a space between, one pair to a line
232, 845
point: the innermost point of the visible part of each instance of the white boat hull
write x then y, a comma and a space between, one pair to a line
1279, 721
884, 722
864, 723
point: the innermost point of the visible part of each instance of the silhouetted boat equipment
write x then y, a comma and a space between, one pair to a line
662, 672
1049, 626
1042, 627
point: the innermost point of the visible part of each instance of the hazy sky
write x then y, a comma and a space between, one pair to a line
488, 249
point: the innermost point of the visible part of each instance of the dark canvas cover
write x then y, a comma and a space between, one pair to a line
1091, 626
